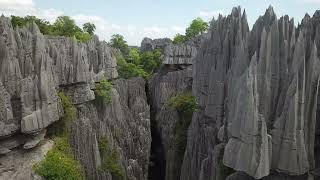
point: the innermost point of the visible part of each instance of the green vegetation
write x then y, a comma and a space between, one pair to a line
68, 108
103, 91
151, 60
117, 41
185, 104
128, 70
110, 160
59, 163
132, 62
63, 26
197, 27
89, 28
179, 39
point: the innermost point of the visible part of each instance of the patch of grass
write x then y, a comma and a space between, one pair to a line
59, 163
103, 91
110, 160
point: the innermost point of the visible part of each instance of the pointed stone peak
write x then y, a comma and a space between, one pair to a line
244, 15
236, 11
316, 14
270, 11
306, 18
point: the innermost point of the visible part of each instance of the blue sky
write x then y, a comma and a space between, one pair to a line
150, 18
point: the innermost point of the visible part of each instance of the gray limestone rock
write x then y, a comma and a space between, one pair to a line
258, 94
148, 44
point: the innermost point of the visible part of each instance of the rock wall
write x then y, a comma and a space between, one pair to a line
34, 68
258, 94
174, 76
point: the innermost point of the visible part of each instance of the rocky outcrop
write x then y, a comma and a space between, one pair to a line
162, 87
17, 165
258, 94
125, 123
34, 68
179, 54
148, 44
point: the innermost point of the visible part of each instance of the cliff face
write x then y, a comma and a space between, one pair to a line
257, 91
34, 68
258, 94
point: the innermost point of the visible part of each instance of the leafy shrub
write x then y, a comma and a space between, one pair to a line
83, 36
179, 39
59, 163
134, 56
128, 70
110, 160
103, 91
151, 60
68, 108
183, 102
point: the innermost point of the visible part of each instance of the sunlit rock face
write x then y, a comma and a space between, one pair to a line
33, 69
258, 94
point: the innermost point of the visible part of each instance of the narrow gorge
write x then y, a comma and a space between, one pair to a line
256, 116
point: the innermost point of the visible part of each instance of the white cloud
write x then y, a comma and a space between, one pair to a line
51, 14
178, 29
13, 5
104, 29
209, 14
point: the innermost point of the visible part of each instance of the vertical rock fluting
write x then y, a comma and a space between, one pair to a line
125, 123
34, 68
175, 76
258, 94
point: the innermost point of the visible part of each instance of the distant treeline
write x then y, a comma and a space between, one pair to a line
63, 26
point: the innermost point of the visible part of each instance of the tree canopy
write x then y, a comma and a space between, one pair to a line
63, 26
89, 28
196, 27
117, 41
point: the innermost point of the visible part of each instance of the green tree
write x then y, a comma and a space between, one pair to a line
117, 41
89, 28
151, 60
128, 70
197, 26
44, 26
65, 26
134, 56
179, 39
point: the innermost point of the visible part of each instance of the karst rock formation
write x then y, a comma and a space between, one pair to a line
257, 91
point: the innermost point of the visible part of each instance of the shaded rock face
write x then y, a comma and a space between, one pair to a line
125, 123
34, 68
162, 87
175, 76
258, 94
